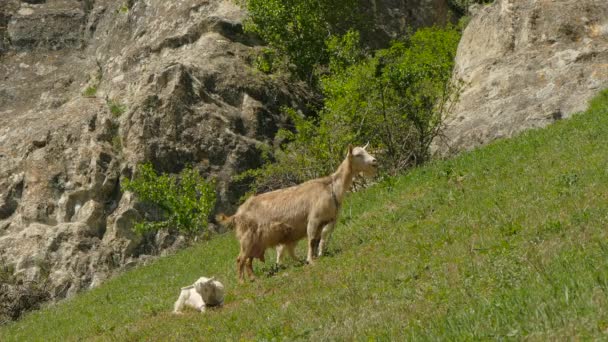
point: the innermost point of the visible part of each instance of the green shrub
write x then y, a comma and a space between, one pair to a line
266, 60
185, 201
116, 108
298, 29
90, 91
396, 100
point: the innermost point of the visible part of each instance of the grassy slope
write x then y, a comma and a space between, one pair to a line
507, 241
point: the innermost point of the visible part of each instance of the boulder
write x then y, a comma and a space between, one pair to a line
526, 64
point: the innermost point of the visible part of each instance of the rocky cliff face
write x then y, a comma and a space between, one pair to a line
527, 63
394, 18
89, 89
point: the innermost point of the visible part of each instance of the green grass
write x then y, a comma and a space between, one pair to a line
90, 91
116, 108
505, 242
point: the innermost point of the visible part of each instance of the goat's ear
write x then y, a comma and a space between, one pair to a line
211, 279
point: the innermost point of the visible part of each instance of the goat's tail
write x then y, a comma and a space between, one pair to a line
226, 221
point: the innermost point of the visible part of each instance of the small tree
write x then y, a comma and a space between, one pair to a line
396, 100
298, 29
185, 201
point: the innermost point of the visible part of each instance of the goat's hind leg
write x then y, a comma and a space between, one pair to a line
291, 250
240, 266
250, 269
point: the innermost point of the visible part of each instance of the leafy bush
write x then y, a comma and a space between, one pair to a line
298, 28
266, 60
185, 201
396, 100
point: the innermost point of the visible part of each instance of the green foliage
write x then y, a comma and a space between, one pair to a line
298, 29
307, 156
264, 61
185, 201
126, 6
6, 272
116, 143
90, 91
480, 247
344, 51
116, 108
396, 100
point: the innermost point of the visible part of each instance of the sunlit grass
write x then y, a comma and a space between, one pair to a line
505, 242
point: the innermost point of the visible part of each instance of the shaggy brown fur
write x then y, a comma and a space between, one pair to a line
283, 217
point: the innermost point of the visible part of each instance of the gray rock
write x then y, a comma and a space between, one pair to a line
182, 72
395, 18
526, 64
55, 25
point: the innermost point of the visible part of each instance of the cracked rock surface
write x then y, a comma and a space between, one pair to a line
527, 63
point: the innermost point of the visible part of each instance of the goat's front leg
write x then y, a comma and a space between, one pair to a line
290, 249
325, 235
312, 232
280, 249
179, 304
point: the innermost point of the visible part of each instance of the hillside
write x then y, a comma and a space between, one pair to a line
89, 89
508, 240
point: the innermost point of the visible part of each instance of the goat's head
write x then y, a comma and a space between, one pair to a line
362, 161
205, 288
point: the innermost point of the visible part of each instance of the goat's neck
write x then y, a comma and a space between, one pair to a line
342, 179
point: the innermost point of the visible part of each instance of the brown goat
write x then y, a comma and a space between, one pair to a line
283, 217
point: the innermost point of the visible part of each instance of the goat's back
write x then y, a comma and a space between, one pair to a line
290, 206
281, 216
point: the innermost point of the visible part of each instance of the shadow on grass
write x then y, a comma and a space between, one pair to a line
331, 252
273, 269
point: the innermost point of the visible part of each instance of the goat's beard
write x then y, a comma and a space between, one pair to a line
369, 173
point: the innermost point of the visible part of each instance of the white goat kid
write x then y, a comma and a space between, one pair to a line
204, 292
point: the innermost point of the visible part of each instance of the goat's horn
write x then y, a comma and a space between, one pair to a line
364, 147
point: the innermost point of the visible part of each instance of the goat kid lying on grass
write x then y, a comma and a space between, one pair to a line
283, 217
204, 292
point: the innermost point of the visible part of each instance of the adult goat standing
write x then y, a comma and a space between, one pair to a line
283, 217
